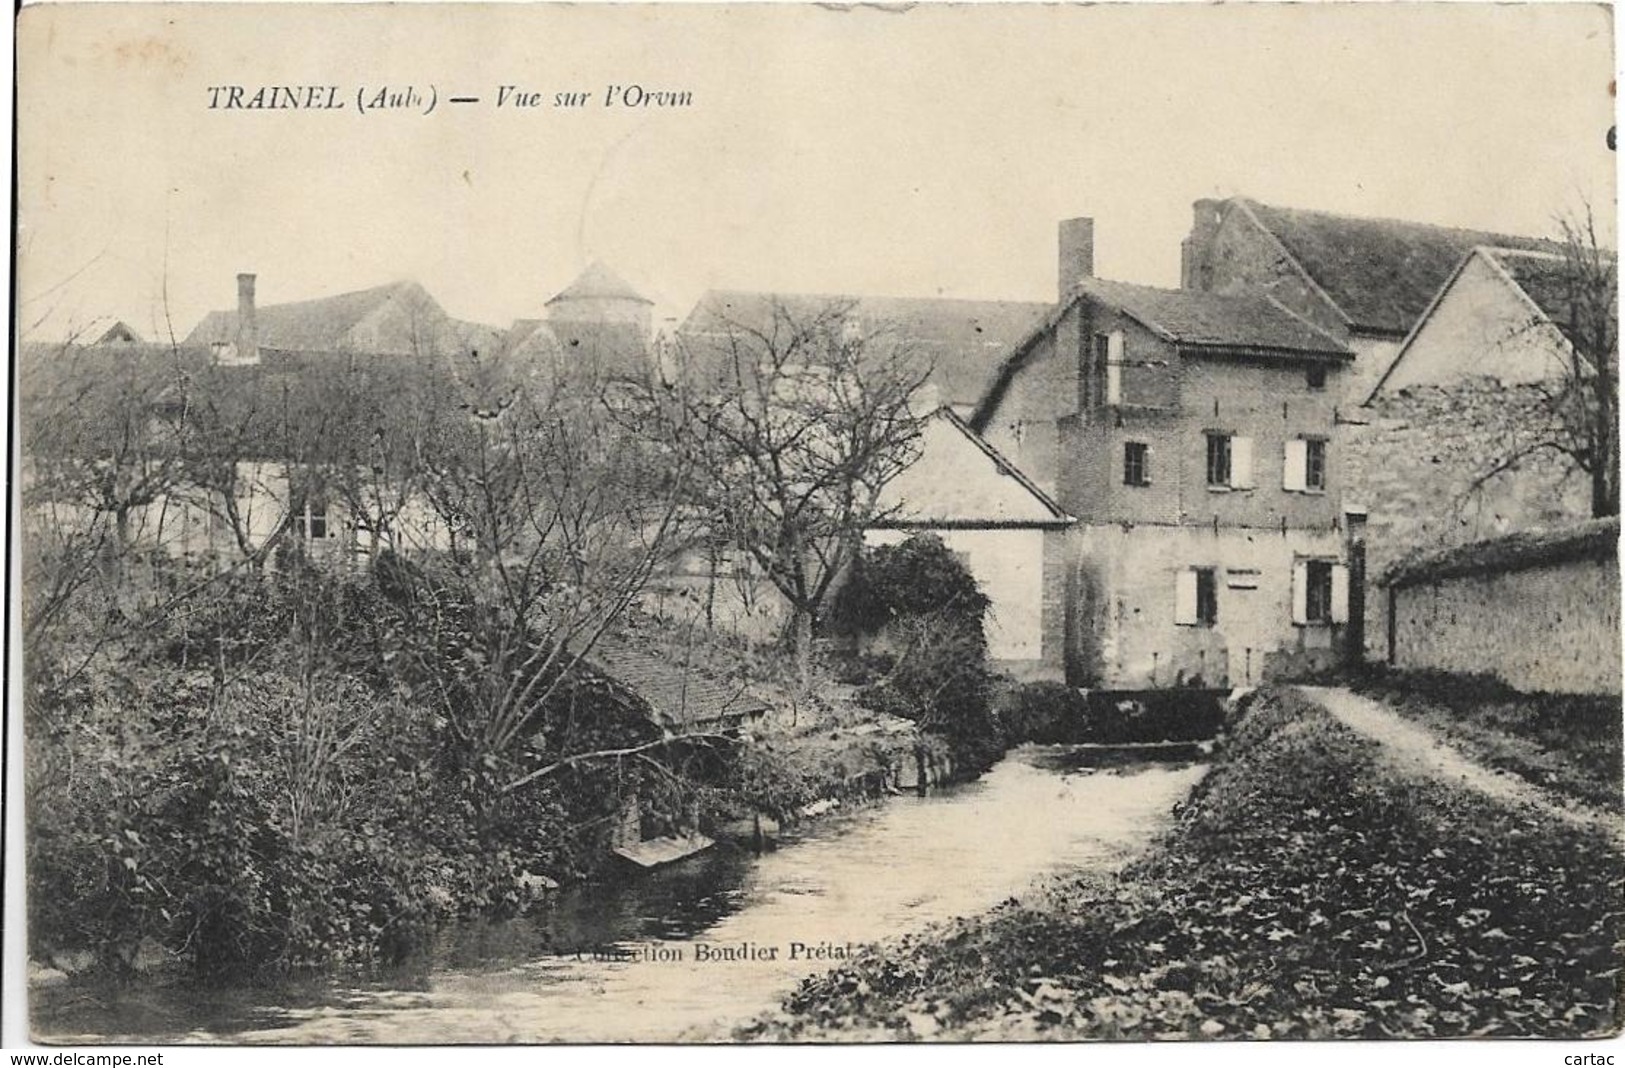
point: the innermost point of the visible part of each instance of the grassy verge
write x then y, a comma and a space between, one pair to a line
1569, 744
1306, 891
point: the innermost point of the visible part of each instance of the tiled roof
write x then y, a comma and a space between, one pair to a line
963, 339
598, 282
1549, 280
1212, 320
327, 324
1381, 273
677, 694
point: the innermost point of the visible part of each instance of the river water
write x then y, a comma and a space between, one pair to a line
716, 939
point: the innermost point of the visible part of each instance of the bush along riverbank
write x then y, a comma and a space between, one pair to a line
1307, 890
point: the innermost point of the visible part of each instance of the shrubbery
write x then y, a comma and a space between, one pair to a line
919, 615
253, 789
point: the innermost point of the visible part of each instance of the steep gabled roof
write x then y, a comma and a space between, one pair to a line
120, 333
1380, 273
598, 282
1549, 281
1195, 319
1544, 281
328, 324
959, 480
963, 339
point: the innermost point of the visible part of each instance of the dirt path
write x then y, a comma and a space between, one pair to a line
1418, 751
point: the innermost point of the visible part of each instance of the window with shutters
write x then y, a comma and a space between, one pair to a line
1304, 466
1114, 367
1218, 459
1101, 353
1196, 597
1229, 461
1314, 468
1320, 592
1136, 463
1207, 596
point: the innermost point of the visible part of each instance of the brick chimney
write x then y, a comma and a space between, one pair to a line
1077, 259
1196, 251
248, 327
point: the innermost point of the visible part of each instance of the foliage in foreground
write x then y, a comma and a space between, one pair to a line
1307, 891
917, 609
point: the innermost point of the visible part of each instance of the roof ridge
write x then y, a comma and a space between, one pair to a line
1248, 205
1418, 223
1003, 463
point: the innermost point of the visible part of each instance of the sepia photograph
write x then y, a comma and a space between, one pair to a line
774, 523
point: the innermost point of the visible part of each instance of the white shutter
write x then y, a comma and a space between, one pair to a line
1241, 463
1185, 599
1114, 368
1295, 471
1300, 593
1340, 594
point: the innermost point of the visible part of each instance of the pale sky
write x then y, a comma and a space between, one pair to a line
913, 153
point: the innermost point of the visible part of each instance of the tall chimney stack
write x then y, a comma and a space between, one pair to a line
1196, 251
248, 327
1077, 248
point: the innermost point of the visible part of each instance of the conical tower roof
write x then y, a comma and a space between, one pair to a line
598, 282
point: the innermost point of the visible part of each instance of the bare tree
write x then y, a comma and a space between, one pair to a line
795, 424
1575, 412
553, 519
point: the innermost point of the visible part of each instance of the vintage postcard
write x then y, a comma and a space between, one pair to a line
788, 523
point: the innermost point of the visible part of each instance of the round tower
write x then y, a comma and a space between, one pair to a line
600, 297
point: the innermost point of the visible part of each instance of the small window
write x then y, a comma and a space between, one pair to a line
1207, 596
1314, 466
1136, 463
1114, 367
1218, 459
1101, 353
1317, 378
1318, 591
1196, 597
311, 522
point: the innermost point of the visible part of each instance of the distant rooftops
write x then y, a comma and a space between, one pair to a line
963, 339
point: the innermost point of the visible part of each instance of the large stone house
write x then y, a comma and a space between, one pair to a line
1193, 437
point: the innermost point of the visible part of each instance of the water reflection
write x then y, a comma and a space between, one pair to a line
719, 937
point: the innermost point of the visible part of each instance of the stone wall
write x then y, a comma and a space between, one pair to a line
1124, 635
1426, 465
1539, 612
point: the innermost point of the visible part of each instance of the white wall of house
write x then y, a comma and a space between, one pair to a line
1372, 357
1482, 327
1008, 565
1133, 625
